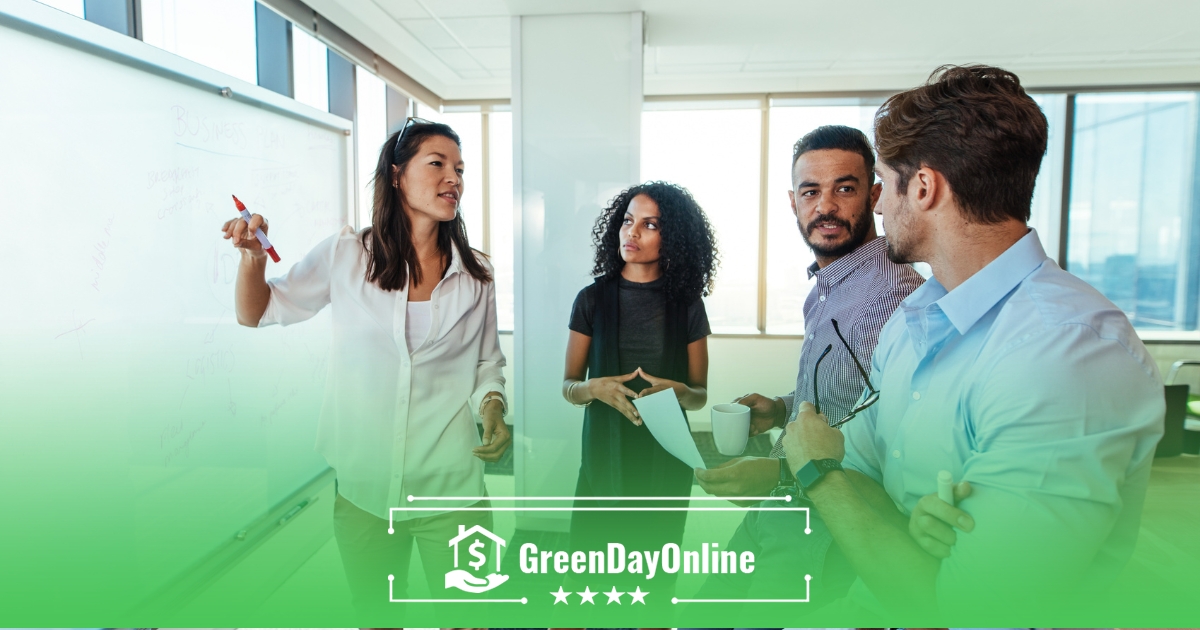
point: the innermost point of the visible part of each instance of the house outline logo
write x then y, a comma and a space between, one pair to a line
470, 581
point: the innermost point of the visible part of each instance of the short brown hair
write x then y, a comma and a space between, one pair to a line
975, 125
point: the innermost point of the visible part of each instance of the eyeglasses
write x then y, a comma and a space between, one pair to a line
412, 120
872, 395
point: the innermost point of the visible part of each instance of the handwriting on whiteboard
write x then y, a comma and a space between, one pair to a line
183, 202
207, 129
217, 361
99, 258
77, 328
183, 447
172, 176
269, 418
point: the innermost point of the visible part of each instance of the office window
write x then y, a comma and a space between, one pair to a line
469, 122
715, 153
74, 7
788, 257
217, 33
310, 70
1046, 210
500, 213
469, 127
1133, 210
371, 125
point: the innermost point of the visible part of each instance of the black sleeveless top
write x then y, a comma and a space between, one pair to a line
620, 458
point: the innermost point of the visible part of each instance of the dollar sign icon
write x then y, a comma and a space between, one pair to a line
480, 558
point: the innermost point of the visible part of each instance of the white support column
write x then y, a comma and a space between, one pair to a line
577, 107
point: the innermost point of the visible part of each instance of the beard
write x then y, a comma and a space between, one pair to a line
898, 255
898, 250
856, 233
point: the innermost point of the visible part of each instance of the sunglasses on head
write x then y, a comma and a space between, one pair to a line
412, 120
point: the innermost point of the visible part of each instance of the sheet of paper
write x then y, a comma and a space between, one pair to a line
664, 418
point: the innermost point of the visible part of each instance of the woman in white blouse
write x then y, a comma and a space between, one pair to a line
414, 351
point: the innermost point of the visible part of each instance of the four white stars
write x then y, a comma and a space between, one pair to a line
588, 596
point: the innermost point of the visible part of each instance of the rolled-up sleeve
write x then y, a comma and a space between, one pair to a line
789, 405
1062, 440
489, 372
304, 290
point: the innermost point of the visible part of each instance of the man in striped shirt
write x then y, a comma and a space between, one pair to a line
833, 193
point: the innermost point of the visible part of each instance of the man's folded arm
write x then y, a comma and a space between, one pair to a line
1062, 440
898, 572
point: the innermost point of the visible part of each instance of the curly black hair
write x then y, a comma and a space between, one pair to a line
688, 253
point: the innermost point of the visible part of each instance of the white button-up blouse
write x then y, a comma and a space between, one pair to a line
396, 421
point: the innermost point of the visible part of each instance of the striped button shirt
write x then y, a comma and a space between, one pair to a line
860, 290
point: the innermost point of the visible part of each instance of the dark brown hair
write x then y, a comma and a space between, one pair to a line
976, 126
838, 137
391, 256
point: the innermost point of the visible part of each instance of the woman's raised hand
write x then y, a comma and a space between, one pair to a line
611, 391
243, 236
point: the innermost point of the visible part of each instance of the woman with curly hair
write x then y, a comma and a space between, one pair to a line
638, 329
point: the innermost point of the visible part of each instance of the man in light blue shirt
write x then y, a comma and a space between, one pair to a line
1002, 369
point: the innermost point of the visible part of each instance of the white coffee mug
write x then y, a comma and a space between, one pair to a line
731, 427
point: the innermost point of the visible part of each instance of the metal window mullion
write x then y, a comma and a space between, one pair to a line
1191, 272
135, 18
1064, 215
485, 182
763, 157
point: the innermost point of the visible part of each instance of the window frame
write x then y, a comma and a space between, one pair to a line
338, 41
768, 100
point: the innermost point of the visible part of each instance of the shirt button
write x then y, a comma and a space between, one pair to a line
822, 298
435, 307
916, 395
896, 454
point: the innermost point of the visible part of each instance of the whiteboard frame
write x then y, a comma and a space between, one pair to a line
46, 22
51, 24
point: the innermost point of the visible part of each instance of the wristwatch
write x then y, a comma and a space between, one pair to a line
814, 471
787, 482
786, 478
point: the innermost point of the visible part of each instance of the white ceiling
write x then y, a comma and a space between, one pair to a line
460, 48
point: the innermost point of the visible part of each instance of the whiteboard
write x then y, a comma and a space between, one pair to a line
138, 421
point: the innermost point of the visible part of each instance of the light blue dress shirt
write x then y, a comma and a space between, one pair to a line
1031, 385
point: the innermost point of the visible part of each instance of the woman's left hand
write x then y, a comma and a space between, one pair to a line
496, 437
656, 384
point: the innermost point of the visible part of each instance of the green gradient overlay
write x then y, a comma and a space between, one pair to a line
81, 549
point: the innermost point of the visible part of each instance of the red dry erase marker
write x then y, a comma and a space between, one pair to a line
262, 238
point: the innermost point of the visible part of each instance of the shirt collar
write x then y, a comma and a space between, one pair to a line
972, 299
837, 270
455, 261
